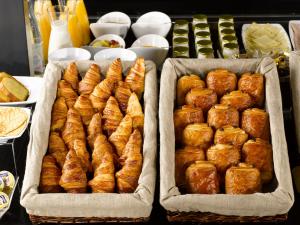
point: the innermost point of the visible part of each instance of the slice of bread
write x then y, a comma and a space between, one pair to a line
13, 89
4, 75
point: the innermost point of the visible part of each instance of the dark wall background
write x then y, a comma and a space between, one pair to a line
13, 43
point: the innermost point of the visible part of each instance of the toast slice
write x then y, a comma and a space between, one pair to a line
13, 89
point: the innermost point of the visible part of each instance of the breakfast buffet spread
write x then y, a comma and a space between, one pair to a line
92, 152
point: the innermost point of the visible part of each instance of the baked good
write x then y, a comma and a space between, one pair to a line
231, 136
50, 175
222, 115
94, 129
65, 90
258, 153
122, 94
112, 116
12, 90
131, 161
57, 148
136, 77
135, 110
73, 178
223, 156
184, 116
100, 94
202, 98
198, 135
91, 78
71, 75
202, 178
185, 84
85, 108
242, 179
256, 123
221, 81
59, 114
253, 84
79, 147
103, 163
237, 99
114, 72
120, 137
184, 157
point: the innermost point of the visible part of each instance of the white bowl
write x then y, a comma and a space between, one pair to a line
67, 54
151, 47
111, 23
113, 53
152, 23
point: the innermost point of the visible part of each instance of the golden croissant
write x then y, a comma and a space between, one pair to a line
85, 109
120, 137
73, 128
136, 77
50, 175
65, 90
185, 84
101, 94
122, 94
114, 72
59, 114
73, 178
135, 110
71, 75
79, 147
132, 161
94, 129
103, 164
90, 80
112, 116
57, 148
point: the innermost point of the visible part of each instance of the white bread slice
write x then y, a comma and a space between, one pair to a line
13, 89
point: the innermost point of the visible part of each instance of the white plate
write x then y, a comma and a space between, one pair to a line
6, 138
68, 54
33, 84
3, 211
113, 53
245, 27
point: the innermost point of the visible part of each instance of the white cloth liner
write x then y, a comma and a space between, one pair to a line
135, 205
259, 204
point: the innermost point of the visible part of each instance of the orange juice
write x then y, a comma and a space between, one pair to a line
74, 26
84, 21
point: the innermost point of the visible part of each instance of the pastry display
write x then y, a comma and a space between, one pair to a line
12, 90
96, 131
221, 141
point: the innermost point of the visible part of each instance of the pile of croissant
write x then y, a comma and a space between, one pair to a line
222, 134
95, 140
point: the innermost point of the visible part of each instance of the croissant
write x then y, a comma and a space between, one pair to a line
238, 100
136, 77
122, 94
132, 160
185, 116
114, 72
50, 175
90, 80
231, 135
59, 114
202, 98
135, 110
79, 147
73, 178
65, 90
85, 109
253, 84
221, 81
100, 94
71, 75
73, 128
183, 158
120, 137
112, 116
103, 164
57, 148
185, 84
94, 129
198, 135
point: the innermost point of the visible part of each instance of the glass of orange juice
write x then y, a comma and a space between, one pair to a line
74, 26
84, 21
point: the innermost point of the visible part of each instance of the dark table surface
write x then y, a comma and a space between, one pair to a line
17, 214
